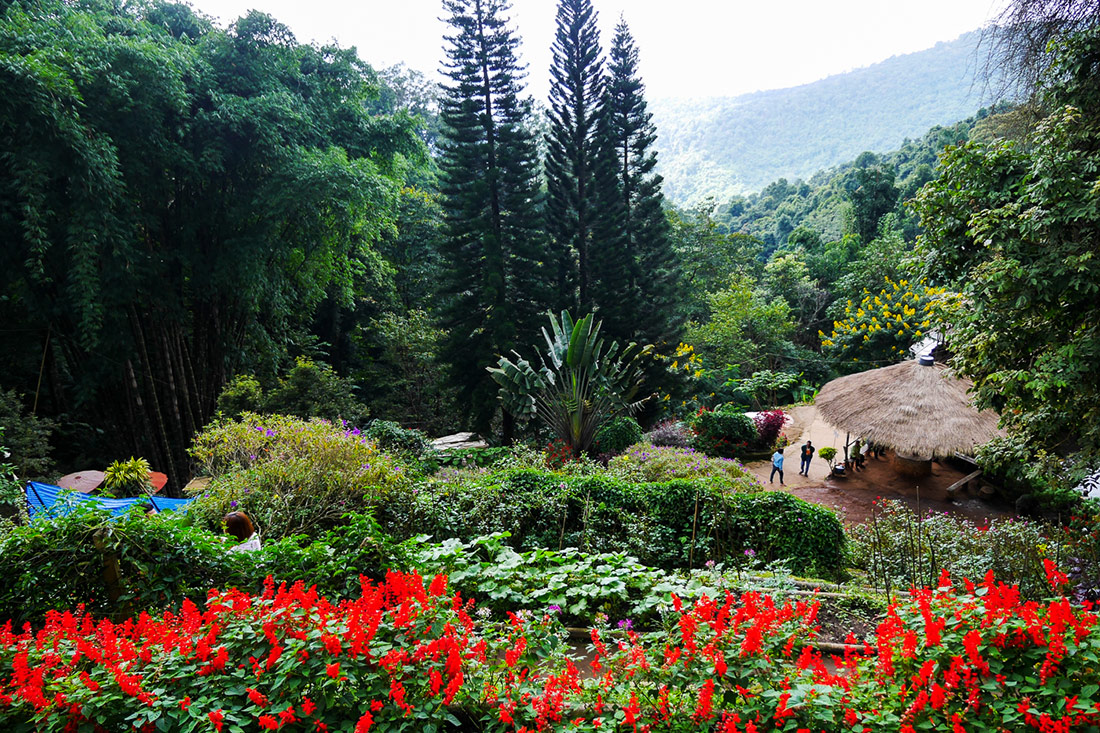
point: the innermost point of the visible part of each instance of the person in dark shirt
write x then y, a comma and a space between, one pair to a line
807, 454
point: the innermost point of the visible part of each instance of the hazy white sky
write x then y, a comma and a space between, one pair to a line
688, 47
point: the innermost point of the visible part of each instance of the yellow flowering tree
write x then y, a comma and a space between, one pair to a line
881, 327
685, 368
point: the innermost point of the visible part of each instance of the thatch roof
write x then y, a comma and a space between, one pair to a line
912, 408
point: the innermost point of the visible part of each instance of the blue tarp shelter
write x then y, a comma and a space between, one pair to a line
54, 501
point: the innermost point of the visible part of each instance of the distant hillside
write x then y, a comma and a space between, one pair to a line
821, 203
725, 146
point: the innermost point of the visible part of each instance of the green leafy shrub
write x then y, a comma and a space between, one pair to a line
899, 549
332, 561
12, 502
163, 560
407, 377
617, 434
314, 389
290, 475
766, 389
127, 478
1025, 471
243, 394
27, 439
670, 525
828, 453
1082, 549
392, 437
480, 457
725, 432
53, 563
647, 463
308, 389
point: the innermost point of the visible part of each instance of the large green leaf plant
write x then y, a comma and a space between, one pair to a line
580, 383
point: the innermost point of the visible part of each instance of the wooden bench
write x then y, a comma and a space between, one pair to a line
961, 483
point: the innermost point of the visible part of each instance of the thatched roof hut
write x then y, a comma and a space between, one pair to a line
913, 408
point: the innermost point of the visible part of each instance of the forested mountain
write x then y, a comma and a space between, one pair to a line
823, 202
724, 146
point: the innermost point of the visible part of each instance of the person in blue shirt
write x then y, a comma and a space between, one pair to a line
777, 466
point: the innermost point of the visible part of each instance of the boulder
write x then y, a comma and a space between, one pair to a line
459, 441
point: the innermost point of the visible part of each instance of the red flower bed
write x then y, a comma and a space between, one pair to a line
979, 659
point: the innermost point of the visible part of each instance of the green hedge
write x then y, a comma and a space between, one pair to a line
60, 563
725, 432
654, 522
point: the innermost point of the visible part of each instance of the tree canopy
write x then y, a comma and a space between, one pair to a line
176, 199
1016, 224
494, 279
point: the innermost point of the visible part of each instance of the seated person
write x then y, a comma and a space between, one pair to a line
857, 456
239, 525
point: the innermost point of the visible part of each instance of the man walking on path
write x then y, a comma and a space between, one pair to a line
807, 454
777, 465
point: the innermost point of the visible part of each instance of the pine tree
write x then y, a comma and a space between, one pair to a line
575, 101
635, 263
494, 288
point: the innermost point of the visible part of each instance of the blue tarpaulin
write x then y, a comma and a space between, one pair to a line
54, 501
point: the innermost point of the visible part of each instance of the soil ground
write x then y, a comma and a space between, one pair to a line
853, 497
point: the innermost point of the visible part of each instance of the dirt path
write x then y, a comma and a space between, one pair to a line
854, 496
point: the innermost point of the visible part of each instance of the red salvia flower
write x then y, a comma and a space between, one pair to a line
704, 708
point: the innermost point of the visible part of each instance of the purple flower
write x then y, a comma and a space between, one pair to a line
626, 624
553, 608
750, 552
233, 504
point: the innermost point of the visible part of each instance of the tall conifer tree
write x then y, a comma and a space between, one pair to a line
490, 179
575, 100
634, 264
